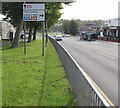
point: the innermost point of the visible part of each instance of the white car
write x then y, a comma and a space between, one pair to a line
58, 38
66, 35
27, 35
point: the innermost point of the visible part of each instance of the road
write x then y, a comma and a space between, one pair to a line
99, 59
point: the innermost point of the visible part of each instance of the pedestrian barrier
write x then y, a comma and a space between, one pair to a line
86, 91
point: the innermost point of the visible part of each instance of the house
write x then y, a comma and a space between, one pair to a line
90, 27
7, 31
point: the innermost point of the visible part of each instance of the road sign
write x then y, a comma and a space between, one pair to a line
34, 12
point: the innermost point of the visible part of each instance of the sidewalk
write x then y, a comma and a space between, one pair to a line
109, 40
3, 43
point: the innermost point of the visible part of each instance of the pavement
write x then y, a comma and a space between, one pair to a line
4, 42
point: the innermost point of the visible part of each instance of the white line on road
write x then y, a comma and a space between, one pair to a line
106, 55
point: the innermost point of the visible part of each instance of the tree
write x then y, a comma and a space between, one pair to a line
73, 27
13, 12
65, 26
97, 22
52, 15
30, 32
35, 29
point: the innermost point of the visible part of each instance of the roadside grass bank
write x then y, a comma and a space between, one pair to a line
34, 80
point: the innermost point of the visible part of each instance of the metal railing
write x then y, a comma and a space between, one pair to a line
85, 90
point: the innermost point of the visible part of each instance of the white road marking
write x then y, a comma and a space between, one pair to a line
106, 55
115, 43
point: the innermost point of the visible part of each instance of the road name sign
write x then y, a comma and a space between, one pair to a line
33, 12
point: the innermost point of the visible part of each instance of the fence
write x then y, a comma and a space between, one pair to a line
86, 93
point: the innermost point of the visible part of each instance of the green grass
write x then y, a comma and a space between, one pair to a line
34, 80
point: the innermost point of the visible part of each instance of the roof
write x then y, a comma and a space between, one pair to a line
90, 24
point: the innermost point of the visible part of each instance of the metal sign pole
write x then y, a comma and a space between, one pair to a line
43, 38
24, 37
46, 33
33, 12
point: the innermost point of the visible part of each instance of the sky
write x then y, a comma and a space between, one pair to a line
90, 10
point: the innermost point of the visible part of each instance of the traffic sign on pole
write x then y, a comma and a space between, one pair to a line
34, 12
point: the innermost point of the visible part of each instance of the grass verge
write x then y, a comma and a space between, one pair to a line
34, 80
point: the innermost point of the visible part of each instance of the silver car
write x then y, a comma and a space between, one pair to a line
58, 38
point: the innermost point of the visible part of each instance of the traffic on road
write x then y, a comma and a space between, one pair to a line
99, 59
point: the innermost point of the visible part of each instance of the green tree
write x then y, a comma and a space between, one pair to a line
35, 30
97, 22
73, 27
14, 14
65, 26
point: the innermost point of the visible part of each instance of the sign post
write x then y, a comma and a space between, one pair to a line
33, 12
46, 32
24, 38
43, 39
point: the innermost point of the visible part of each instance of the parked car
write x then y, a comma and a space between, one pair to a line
22, 36
58, 38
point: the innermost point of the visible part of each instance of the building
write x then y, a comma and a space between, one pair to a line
90, 31
113, 27
90, 27
7, 31
113, 22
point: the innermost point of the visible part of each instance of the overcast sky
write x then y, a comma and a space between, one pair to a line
91, 10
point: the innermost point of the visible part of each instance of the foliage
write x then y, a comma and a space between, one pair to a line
53, 13
97, 22
14, 13
80, 22
34, 80
65, 26
73, 27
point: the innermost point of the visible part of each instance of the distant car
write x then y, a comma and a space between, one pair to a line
58, 38
22, 36
66, 35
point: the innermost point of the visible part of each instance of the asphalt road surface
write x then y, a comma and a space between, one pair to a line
99, 59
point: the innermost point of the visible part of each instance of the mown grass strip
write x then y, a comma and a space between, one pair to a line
34, 80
